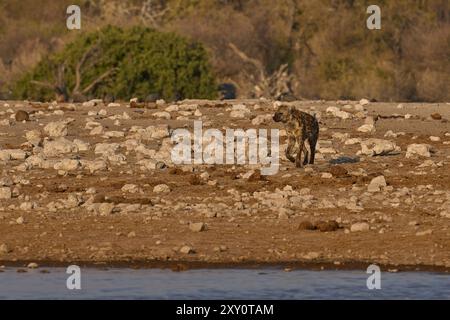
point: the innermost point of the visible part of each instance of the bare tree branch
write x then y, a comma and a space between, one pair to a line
256, 63
151, 12
79, 65
99, 79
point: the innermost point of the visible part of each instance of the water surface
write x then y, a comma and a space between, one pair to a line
221, 284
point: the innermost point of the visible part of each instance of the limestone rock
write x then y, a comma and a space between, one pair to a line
418, 150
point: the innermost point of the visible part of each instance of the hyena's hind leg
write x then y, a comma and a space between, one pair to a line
312, 145
307, 153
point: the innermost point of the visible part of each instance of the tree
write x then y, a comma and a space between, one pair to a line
124, 64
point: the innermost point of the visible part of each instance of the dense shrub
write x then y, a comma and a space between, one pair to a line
126, 63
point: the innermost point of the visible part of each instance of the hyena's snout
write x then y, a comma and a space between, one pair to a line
277, 117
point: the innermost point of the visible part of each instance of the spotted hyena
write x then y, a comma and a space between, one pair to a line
300, 126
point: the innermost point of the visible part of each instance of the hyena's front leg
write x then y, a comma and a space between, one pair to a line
298, 160
290, 148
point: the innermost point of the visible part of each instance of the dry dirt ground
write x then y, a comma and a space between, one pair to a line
77, 185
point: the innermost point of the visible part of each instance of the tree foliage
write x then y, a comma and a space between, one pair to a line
123, 63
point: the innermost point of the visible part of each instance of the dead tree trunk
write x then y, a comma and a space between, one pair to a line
275, 85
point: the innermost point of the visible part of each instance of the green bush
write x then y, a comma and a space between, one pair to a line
127, 63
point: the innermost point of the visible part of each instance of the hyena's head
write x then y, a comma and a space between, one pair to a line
283, 114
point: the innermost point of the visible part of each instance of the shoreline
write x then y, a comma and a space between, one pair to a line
184, 265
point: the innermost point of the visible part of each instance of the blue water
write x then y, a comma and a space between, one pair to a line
221, 284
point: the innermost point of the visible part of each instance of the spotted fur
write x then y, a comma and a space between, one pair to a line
300, 127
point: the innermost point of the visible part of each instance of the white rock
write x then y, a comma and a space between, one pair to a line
378, 147
367, 128
188, 107
73, 201
106, 208
96, 131
445, 214
106, 148
369, 120
262, 119
67, 165
6, 182
204, 175
435, 139
26, 206
161, 188
352, 141
114, 134
34, 137
390, 134
239, 111
94, 166
359, 227
358, 107
424, 233
116, 159
325, 147
172, 108
376, 184
335, 111
130, 188
422, 150
340, 136
326, 150
5, 193
35, 161
92, 103
12, 154
159, 131
364, 102
81, 145
59, 147
147, 164
197, 227
56, 129
248, 174
186, 250
4, 249
162, 115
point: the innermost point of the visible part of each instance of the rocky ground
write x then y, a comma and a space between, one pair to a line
94, 183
